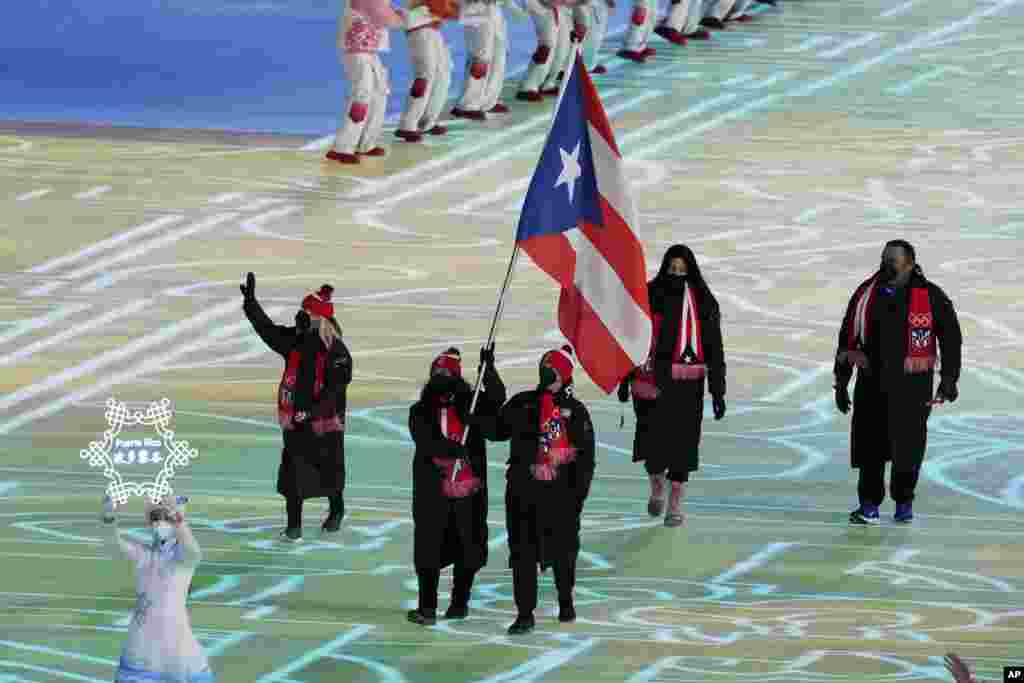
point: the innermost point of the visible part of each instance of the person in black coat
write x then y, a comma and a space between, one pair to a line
896, 323
310, 404
449, 490
551, 465
668, 390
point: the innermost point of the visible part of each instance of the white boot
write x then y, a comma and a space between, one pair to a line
674, 516
657, 500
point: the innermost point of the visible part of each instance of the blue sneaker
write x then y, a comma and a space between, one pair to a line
865, 514
904, 513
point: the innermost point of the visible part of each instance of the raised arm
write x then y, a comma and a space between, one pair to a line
114, 542
190, 552
278, 337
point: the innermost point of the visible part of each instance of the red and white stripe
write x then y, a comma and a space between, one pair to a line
603, 309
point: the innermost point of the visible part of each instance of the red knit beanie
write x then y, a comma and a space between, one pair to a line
561, 361
450, 360
319, 302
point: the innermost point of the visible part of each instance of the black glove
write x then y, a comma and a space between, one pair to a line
624, 391
842, 399
718, 404
487, 355
947, 390
458, 451
249, 288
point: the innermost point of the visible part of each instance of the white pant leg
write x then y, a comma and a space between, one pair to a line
694, 13
363, 92
678, 13
741, 7
437, 97
479, 46
641, 25
720, 8
595, 35
544, 26
378, 109
563, 48
424, 63
499, 58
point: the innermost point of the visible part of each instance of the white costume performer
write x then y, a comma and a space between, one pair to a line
683, 21
572, 30
160, 647
716, 12
553, 23
640, 28
362, 33
432, 66
486, 57
599, 11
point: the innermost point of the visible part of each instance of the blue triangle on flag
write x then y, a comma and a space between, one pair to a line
563, 191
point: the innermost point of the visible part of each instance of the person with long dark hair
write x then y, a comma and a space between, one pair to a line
449, 489
551, 465
895, 325
310, 404
668, 390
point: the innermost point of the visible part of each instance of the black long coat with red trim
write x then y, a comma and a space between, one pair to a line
450, 530
890, 406
672, 423
543, 518
312, 465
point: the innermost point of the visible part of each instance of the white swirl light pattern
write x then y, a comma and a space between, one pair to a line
158, 415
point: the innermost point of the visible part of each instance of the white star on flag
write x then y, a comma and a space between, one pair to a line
571, 170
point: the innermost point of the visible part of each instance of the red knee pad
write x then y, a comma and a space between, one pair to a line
478, 70
358, 111
419, 87
541, 54
639, 16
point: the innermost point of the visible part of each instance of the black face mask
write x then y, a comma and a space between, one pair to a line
303, 323
547, 377
442, 385
888, 271
676, 283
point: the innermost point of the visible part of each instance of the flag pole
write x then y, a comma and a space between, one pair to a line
490, 338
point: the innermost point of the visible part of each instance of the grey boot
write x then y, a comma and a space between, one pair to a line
657, 501
674, 515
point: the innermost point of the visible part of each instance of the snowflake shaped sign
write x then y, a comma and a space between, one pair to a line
164, 452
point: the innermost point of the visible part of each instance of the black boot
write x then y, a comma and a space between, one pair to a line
422, 617
566, 612
457, 611
523, 624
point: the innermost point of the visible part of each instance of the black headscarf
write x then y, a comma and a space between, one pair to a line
669, 304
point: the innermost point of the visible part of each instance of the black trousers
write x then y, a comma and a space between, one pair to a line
294, 508
524, 584
871, 484
430, 579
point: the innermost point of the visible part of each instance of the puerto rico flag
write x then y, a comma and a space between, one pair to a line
577, 226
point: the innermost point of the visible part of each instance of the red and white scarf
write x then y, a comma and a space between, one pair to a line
921, 349
553, 447
286, 396
458, 478
644, 386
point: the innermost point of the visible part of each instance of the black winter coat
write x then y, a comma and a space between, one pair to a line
543, 518
312, 466
890, 406
452, 530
